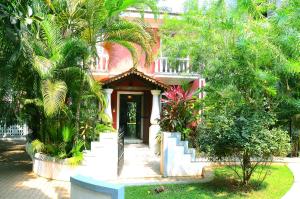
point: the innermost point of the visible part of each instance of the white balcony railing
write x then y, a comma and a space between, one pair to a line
100, 64
163, 66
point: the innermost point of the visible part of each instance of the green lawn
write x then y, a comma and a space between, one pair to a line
223, 186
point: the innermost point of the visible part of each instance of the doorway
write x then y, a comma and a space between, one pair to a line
130, 118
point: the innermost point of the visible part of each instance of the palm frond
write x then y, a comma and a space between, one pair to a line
115, 7
42, 66
37, 102
54, 94
95, 88
127, 33
67, 134
51, 36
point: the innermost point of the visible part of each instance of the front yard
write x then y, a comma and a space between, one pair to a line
223, 186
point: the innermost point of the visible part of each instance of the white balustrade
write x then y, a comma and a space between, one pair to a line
100, 64
101, 60
163, 66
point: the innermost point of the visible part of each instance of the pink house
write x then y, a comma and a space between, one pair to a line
133, 94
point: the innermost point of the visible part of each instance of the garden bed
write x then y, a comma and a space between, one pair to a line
223, 186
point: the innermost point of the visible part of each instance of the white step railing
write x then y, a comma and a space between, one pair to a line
163, 66
13, 131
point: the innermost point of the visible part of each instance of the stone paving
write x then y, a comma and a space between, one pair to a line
140, 162
294, 165
142, 167
18, 181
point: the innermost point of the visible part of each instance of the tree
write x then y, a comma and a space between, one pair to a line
285, 35
16, 19
48, 74
242, 63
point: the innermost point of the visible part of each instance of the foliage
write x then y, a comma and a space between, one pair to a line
224, 185
244, 63
131, 112
104, 128
286, 30
37, 146
46, 51
179, 111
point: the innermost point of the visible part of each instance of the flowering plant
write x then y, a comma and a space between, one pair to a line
179, 111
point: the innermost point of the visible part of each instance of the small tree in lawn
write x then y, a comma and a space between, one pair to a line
240, 133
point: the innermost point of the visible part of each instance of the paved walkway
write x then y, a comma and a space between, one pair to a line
294, 165
17, 180
142, 167
140, 162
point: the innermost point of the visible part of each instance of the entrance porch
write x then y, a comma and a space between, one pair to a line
133, 100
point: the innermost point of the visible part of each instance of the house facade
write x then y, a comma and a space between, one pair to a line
133, 93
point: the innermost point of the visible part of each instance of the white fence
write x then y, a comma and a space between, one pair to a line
13, 131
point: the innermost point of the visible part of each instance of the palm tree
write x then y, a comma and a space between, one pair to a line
98, 21
16, 78
49, 70
94, 21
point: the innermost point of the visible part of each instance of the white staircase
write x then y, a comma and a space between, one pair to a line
177, 158
101, 161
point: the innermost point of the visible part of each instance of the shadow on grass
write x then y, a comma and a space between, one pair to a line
232, 187
224, 185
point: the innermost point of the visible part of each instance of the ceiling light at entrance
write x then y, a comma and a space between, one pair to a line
129, 96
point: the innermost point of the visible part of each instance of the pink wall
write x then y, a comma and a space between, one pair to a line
120, 59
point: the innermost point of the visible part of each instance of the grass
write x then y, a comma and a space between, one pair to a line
224, 185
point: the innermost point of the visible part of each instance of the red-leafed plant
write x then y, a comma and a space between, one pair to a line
179, 111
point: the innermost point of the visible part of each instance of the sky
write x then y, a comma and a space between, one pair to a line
175, 5
178, 5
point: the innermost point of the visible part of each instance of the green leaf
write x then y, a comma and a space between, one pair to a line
54, 95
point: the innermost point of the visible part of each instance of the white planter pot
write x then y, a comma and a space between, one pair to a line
51, 168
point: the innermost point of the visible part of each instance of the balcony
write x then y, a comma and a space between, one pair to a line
100, 64
163, 66
174, 75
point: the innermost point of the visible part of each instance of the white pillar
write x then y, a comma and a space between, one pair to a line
155, 113
107, 110
155, 116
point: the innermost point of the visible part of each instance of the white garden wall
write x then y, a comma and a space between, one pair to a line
101, 162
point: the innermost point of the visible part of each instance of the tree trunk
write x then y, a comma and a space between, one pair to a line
291, 138
78, 106
246, 168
